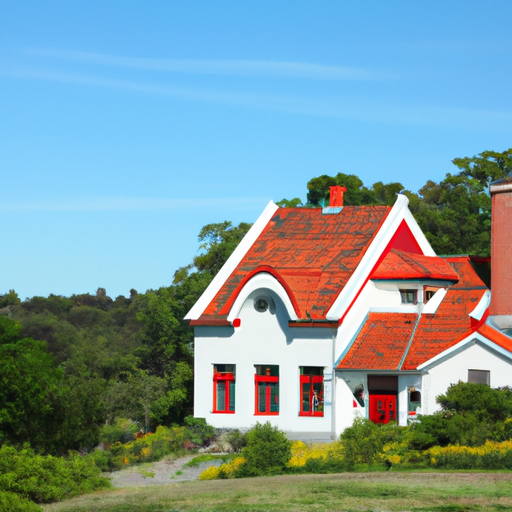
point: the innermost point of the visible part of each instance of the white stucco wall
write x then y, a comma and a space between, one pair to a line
473, 357
263, 338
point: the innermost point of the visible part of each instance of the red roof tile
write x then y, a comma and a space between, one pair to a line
433, 334
312, 254
381, 343
404, 265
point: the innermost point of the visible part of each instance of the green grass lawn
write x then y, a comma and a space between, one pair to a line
390, 491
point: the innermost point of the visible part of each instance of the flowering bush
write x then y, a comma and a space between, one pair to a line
490, 455
145, 448
228, 470
301, 453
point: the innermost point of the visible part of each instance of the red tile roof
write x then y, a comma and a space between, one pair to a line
404, 265
496, 336
313, 255
405, 346
381, 342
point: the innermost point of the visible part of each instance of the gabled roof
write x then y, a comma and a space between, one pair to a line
408, 340
405, 265
311, 254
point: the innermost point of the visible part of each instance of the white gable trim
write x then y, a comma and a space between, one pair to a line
232, 262
432, 305
398, 213
262, 281
472, 339
481, 307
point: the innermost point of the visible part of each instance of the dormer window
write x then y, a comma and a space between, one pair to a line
429, 292
409, 296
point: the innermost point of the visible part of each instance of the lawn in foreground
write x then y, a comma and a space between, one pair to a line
422, 492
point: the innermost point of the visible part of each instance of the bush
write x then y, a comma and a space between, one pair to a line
44, 479
122, 431
237, 440
491, 455
145, 448
363, 441
316, 458
10, 502
198, 431
267, 451
471, 414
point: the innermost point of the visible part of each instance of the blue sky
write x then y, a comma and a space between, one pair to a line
127, 126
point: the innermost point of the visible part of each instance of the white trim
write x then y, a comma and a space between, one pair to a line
435, 301
473, 338
398, 213
232, 262
262, 281
481, 307
418, 234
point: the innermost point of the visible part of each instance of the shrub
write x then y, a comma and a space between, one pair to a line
198, 431
491, 455
471, 414
10, 502
363, 441
44, 479
267, 451
237, 440
316, 458
231, 469
123, 431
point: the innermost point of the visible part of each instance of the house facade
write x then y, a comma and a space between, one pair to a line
321, 315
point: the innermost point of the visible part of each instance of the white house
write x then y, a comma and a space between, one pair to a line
323, 314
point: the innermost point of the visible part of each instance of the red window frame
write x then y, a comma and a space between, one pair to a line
265, 382
307, 395
224, 378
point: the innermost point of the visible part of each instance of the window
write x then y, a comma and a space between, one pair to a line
479, 376
429, 292
266, 387
409, 296
311, 391
414, 402
224, 388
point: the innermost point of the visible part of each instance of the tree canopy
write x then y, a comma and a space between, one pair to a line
454, 214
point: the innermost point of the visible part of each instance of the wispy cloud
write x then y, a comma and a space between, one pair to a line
366, 109
104, 204
219, 67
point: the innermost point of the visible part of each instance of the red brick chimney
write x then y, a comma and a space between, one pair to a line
501, 247
336, 199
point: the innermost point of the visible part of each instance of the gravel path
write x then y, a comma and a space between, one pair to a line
164, 472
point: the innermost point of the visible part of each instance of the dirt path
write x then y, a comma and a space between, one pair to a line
163, 472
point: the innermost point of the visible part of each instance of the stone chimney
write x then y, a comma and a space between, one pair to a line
501, 250
336, 198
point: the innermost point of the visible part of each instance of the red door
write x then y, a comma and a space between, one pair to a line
382, 408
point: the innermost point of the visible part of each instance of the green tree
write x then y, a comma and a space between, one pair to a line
9, 299
218, 241
29, 388
486, 167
